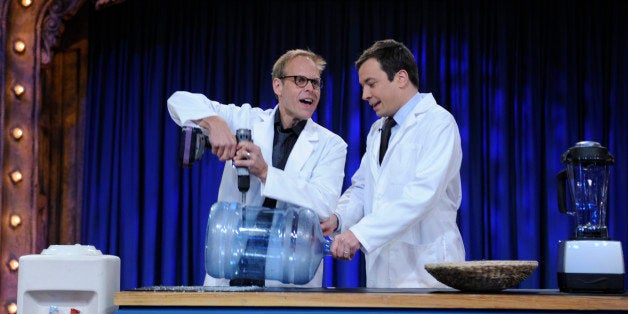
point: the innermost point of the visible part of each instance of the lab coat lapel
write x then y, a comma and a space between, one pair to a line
409, 123
376, 138
263, 130
302, 148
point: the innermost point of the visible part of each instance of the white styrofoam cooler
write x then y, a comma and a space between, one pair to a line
68, 278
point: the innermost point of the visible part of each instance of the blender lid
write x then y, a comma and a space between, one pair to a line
587, 152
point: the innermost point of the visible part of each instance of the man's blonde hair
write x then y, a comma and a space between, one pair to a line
280, 64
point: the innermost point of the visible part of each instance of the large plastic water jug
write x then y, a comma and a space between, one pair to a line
254, 242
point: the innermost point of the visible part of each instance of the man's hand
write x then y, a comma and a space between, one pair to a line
250, 155
345, 246
223, 142
330, 225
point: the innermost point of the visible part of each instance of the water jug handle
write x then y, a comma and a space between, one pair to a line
561, 179
327, 246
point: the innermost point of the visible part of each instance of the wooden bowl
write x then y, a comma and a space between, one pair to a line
482, 276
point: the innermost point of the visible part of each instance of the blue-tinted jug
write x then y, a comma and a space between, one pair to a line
254, 242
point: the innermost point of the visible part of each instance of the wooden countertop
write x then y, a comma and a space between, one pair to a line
513, 299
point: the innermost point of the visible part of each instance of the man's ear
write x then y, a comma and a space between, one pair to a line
401, 78
277, 87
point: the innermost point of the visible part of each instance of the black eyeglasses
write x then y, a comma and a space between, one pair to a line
301, 81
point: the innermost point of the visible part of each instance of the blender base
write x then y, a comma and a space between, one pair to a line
603, 283
590, 266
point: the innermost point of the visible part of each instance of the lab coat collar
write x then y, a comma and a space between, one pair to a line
262, 131
302, 148
424, 104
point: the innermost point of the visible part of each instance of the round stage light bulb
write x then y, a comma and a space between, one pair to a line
16, 220
12, 308
27, 3
17, 133
19, 46
16, 176
14, 264
18, 90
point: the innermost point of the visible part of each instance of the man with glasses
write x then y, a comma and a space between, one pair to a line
291, 159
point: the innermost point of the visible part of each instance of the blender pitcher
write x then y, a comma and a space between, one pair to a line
587, 175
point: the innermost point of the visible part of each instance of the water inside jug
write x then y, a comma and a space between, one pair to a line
255, 242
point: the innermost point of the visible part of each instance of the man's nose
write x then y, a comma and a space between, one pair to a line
365, 94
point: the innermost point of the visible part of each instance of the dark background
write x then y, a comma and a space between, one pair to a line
525, 81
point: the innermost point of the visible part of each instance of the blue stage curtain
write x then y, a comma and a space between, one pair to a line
524, 79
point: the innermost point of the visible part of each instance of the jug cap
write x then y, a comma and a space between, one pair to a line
587, 152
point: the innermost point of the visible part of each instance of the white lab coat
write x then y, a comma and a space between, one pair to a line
312, 176
404, 212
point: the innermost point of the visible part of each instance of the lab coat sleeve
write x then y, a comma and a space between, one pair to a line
350, 207
321, 190
439, 164
185, 107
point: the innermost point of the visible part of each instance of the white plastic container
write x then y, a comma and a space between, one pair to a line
68, 278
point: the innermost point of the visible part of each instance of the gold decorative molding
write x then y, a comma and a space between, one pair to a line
105, 3
30, 32
57, 12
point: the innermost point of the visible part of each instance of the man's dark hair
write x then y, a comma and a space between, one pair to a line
393, 56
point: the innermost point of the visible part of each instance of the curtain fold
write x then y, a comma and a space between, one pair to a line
524, 80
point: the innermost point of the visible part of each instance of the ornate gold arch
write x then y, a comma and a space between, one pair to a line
29, 33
